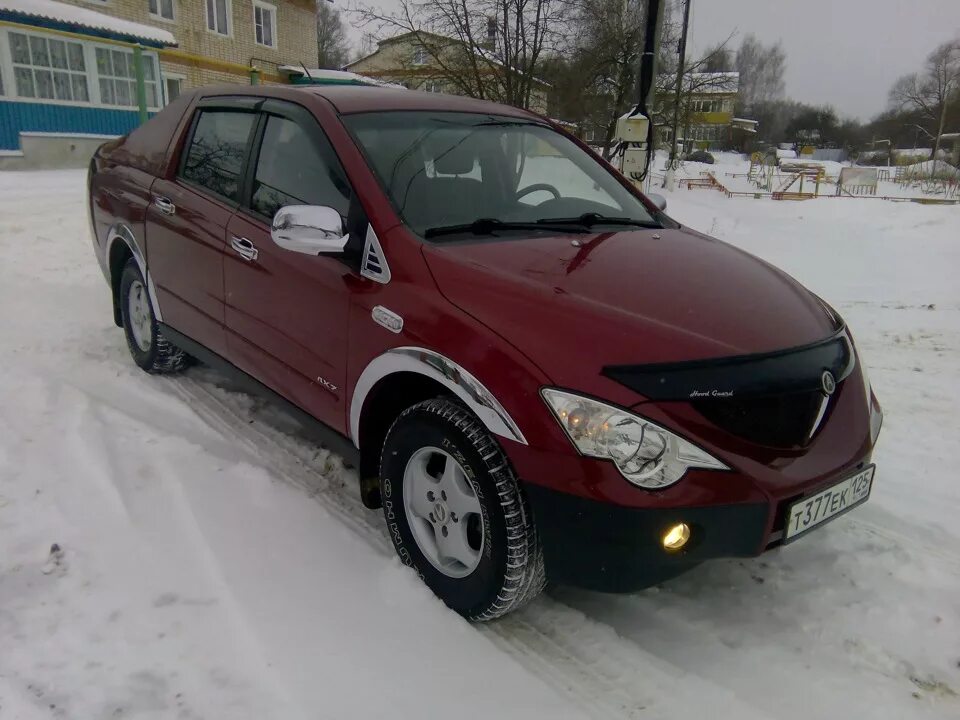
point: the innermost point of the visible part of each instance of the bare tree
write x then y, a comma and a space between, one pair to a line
488, 49
930, 91
719, 60
332, 46
607, 46
761, 69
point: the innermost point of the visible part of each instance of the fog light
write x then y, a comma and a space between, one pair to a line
676, 537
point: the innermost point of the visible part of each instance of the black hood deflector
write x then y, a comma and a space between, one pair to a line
794, 370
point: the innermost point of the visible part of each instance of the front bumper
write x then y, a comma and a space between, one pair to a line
612, 548
601, 532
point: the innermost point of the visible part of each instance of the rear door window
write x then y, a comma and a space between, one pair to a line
297, 168
217, 151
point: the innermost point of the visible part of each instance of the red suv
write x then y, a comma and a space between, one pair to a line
537, 373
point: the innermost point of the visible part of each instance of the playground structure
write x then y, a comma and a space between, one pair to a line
936, 192
858, 181
762, 169
706, 180
796, 173
766, 173
791, 179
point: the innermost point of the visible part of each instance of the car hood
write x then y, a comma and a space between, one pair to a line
575, 303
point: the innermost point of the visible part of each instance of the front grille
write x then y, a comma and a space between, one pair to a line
783, 421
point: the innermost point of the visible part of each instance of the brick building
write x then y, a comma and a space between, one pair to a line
209, 33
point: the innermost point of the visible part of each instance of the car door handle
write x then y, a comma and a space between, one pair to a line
244, 248
164, 205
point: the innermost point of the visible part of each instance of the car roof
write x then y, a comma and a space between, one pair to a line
356, 99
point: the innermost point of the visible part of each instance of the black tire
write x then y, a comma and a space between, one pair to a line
510, 571
162, 356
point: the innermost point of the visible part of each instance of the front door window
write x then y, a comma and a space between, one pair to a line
293, 170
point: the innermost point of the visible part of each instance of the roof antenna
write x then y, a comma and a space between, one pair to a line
306, 73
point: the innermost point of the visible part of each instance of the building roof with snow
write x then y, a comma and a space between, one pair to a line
60, 16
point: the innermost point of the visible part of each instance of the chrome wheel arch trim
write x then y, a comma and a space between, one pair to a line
123, 233
442, 370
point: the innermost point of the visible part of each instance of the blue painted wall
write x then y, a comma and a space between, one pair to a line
17, 117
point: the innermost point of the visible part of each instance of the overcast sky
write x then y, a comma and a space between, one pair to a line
846, 53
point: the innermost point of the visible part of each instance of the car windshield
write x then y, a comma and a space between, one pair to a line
450, 174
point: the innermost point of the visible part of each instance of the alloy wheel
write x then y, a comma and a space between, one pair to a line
443, 511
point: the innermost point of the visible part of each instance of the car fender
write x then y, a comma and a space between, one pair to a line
121, 232
443, 370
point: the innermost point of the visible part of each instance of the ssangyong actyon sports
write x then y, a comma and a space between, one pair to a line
537, 374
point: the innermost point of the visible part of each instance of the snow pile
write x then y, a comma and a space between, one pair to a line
937, 168
82, 17
912, 152
728, 157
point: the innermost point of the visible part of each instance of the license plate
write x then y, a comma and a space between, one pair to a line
810, 512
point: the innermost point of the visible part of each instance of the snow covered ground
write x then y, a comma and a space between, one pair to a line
215, 565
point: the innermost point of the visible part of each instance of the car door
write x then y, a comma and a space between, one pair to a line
187, 220
286, 312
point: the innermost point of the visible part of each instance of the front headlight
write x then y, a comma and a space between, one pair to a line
646, 454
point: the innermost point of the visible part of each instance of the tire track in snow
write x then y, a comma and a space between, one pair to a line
597, 669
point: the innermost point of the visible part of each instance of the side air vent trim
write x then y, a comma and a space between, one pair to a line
374, 263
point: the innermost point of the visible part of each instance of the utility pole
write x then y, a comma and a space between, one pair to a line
678, 91
634, 132
647, 70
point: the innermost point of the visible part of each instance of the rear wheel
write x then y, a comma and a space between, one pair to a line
456, 513
148, 347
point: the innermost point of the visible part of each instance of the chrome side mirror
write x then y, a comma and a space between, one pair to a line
309, 229
659, 200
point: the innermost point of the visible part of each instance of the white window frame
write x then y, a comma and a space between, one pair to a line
147, 57
229, 13
171, 76
7, 68
420, 55
162, 18
269, 8
90, 63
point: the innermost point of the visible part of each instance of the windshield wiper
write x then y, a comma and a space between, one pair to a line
489, 226
590, 219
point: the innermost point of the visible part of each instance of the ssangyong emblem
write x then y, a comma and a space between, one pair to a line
828, 382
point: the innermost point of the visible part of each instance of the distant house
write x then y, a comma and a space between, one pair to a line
435, 63
706, 119
706, 112
68, 70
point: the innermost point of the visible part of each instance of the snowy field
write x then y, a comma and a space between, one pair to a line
214, 565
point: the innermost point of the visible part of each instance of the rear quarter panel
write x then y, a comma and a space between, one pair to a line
122, 172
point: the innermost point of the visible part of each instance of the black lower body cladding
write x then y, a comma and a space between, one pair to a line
599, 546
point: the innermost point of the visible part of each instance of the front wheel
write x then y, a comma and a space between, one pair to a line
456, 513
